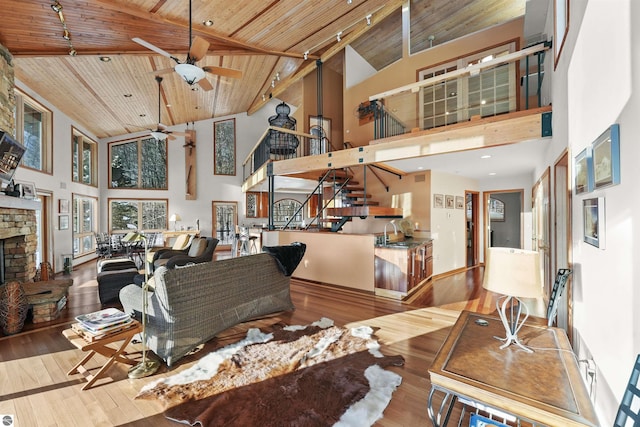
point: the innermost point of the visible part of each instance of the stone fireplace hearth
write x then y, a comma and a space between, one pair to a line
18, 231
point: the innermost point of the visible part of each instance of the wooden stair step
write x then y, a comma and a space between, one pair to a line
355, 195
362, 203
353, 187
364, 211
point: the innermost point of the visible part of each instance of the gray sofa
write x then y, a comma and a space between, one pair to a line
190, 305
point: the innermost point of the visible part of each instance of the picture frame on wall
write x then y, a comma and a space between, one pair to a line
459, 202
594, 221
583, 181
63, 206
438, 201
449, 201
63, 222
605, 153
224, 147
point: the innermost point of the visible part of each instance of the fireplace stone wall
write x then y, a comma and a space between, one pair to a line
18, 229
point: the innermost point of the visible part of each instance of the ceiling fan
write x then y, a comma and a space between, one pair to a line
190, 72
161, 132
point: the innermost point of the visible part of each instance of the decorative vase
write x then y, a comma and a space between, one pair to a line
13, 308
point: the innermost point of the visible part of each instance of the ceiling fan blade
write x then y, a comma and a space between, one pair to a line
170, 137
224, 72
153, 48
178, 133
199, 48
205, 84
162, 71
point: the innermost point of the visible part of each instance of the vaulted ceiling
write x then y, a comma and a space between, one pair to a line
266, 41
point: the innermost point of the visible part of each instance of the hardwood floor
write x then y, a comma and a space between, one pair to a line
37, 391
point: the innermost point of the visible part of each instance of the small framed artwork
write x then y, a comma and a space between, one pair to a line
224, 147
582, 172
448, 201
605, 152
594, 221
63, 222
459, 202
28, 190
63, 206
438, 201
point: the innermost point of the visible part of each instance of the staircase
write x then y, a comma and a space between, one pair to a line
350, 200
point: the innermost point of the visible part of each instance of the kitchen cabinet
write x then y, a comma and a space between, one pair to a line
402, 267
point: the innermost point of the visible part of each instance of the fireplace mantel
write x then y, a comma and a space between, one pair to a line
18, 203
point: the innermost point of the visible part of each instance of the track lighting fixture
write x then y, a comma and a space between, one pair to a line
306, 55
66, 34
368, 19
57, 7
339, 36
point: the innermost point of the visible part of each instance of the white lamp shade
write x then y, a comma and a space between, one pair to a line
190, 73
175, 217
513, 272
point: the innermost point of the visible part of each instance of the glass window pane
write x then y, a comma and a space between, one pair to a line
76, 158
32, 137
86, 163
154, 160
124, 215
154, 215
124, 165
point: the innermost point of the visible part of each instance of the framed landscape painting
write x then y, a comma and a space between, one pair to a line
605, 152
224, 147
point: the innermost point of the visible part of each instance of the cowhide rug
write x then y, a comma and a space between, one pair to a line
318, 375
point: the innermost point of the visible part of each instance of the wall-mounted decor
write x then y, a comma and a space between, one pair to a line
448, 201
438, 201
594, 221
496, 210
63, 206
63, 222
224, 147
459, 202
583, 178
28, 189
225, 220
605, 152
321, 128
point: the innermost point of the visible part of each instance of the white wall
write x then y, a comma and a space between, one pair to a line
599, 68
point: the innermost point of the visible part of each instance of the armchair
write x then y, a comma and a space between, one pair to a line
200, 250
181, 244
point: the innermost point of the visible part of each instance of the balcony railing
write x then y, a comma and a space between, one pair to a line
480, 90
280, 144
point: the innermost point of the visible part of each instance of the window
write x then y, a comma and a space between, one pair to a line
487, 93
285, 209
84, 151
85, 224
132, 214
141, 163
33, 130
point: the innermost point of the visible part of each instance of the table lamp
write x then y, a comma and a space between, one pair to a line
515, 273
175, 218
147, 366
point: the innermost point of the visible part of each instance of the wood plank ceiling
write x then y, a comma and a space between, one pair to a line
258, 38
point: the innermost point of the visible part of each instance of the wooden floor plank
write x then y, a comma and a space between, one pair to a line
39, 393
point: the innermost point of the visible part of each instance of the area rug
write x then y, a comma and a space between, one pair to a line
315, 375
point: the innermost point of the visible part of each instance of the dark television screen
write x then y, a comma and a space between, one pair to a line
11, 153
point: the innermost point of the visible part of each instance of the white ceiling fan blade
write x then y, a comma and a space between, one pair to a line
154, 48
224, 72
199, 48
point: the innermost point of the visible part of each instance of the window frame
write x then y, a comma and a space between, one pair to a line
46, 139
75, 133
139, 141
78, 235
139, 219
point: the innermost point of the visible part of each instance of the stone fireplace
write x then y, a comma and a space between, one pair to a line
18, 233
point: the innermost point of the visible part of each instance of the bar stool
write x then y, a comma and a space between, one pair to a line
252, 244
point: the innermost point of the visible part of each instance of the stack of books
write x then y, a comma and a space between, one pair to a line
102, 323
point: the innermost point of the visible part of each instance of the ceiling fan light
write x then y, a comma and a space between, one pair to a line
160, 136
190, 73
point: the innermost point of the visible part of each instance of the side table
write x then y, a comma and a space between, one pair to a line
100, 345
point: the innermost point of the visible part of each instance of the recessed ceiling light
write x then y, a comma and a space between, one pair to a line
127, 95
207, 23
105, 59
486, 156
492, 173
143, 115
420, 168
